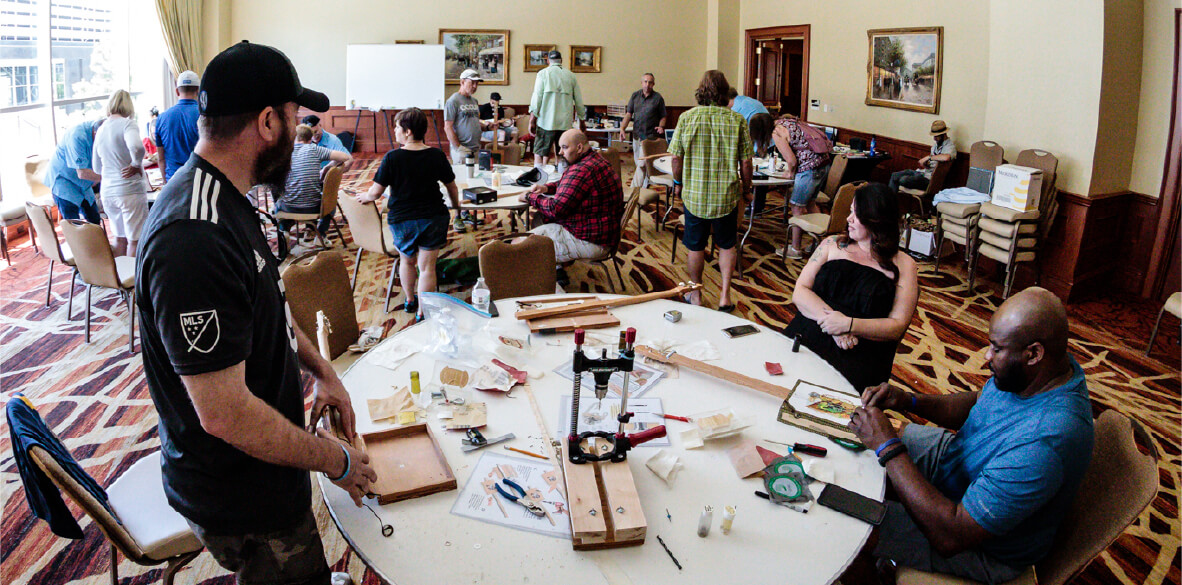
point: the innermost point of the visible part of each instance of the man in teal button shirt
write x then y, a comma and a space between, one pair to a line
70, 177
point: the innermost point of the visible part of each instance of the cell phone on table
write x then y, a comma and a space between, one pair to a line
492, 309
740, 330
852, 504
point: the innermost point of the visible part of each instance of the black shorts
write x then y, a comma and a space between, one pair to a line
724, 228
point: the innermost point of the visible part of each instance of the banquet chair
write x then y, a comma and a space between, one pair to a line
11, 214
318, 281
1120, 483
328, 204
136, 518
369, 233
97, 265
923, 197
1173, 306
832, 180
819, 225
958, 221
518, 265
51, 248
612, 255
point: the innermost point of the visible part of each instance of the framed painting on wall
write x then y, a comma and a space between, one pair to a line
585, 58
486, 51
904, 68
536, 57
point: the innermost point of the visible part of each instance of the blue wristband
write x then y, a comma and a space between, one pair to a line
913, 401
349, 465
883, 447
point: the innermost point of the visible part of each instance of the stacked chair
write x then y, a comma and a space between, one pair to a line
1012, 237
958, 221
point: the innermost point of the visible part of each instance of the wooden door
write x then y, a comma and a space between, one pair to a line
771, 72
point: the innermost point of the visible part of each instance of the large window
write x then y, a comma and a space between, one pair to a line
59, 62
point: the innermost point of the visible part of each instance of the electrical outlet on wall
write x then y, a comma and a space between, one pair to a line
829, 108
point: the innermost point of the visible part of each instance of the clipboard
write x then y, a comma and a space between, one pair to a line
820, 414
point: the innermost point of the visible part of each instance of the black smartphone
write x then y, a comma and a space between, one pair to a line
740, 330
852, 504
492, 309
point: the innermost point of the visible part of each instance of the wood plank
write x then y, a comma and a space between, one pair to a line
629, 526
582, 496
409, 463
715, 371
561, 323
606, 303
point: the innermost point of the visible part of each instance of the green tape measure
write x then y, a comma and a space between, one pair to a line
783, 486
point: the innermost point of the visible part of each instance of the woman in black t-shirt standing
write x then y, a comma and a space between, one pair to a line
417, 216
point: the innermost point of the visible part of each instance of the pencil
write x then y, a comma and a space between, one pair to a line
524, 452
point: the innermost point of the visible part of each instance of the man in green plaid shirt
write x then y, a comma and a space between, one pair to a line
711, 171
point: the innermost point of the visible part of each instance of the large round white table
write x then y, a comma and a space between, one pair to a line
768, 543
509, 194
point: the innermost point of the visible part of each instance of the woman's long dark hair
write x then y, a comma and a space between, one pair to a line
877, 208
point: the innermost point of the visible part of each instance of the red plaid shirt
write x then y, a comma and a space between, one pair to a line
589, 201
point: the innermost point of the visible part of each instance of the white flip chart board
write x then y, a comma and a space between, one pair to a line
394, 76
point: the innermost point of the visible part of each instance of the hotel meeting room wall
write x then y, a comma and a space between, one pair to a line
661, 36
1153, 120
1120, 91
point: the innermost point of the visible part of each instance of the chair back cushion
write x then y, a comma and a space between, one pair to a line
1043, 161
320, 282
525, 268
613, 158
46, 235
332, 187
986, 154
92, 253
1118, 486
836, 174
936, 183
365, 224
511, 153
35, 170
839, 214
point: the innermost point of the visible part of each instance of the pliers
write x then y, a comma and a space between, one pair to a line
520, 498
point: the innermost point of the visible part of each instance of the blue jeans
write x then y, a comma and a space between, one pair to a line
87, 210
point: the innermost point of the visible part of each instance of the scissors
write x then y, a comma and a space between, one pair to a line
520, 498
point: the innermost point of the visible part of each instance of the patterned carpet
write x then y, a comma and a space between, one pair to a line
95, 398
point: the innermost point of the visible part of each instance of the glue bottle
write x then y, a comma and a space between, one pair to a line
416, 391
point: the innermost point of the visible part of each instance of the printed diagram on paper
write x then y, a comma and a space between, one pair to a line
823, 403
597, 415
643, 378
479, 499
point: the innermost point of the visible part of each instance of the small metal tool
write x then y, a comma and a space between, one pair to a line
476, 440
519, 497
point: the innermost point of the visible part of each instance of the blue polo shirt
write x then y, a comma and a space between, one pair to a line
330, 141
176, 131
748, 107
73, 153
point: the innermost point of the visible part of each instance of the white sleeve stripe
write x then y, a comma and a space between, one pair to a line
194, 204
213, 203
205, 197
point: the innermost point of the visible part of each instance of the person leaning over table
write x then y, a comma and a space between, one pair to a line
712, 153
70, 177
417, 216
856, 295
221, 353
646, 111
808, 167
982, 494
584, 209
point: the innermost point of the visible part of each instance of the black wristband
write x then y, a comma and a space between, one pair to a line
891, 454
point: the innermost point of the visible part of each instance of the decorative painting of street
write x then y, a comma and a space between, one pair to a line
486, 51
904, 67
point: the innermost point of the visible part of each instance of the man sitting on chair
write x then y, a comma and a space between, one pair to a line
303, 190
585, 208
943, 150
984, 502
494, 110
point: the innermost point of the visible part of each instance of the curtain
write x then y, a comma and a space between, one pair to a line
180, 21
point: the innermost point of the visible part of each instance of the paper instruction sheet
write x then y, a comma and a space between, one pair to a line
643, 378
541, 481
596, 415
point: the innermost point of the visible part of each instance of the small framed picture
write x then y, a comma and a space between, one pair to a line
586, 58
536, 56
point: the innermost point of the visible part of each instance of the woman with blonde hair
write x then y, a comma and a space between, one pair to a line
118, 156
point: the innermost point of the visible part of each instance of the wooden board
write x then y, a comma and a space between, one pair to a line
715, 371
562, 323
408, 462
605, 303
605, 510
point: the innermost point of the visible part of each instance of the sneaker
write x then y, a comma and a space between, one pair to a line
468, 218
812, 247
341, 579
458, 225
790, 252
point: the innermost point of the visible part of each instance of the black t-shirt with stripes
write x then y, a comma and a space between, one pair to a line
209, 297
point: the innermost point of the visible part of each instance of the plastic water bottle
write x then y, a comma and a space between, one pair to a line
872, 144
481, 295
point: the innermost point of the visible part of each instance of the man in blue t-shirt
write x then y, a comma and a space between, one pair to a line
70, 178
745, 106
984, 502
176, 128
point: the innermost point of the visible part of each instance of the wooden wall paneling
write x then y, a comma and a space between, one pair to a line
905, 155
1084, 248
1135, 244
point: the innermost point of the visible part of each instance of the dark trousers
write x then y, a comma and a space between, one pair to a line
87, 211
908, 179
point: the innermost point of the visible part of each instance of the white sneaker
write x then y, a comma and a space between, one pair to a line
341, 579
790, 252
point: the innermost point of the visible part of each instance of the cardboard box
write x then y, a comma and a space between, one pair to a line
1017, 188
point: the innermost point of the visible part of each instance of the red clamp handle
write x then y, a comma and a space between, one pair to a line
580, 336
646, 435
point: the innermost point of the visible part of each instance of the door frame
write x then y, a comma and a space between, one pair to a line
755, 35
1168, 225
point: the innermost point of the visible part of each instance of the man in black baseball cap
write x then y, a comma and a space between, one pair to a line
221, 352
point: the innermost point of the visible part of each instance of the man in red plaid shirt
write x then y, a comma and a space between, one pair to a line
585, 209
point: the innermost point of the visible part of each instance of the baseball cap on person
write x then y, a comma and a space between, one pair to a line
555, 56
248, 77
470, 74
188, 79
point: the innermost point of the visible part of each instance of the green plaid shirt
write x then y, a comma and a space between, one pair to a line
711, 142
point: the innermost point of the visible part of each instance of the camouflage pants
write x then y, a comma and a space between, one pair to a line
288, 557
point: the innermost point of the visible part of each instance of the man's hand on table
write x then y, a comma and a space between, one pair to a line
886, 397
360, 477
872, 426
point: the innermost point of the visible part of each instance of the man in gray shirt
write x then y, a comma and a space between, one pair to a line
461, 118
646, 111
943, 150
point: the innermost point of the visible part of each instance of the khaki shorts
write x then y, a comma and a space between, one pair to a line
544, 139
566, 246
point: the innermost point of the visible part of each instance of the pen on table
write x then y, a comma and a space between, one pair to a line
788, 505
524, 452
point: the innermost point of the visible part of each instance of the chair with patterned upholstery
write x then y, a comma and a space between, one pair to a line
957, 222
1120, 483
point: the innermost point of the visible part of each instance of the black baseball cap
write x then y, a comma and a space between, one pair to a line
248, 77
554, 55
